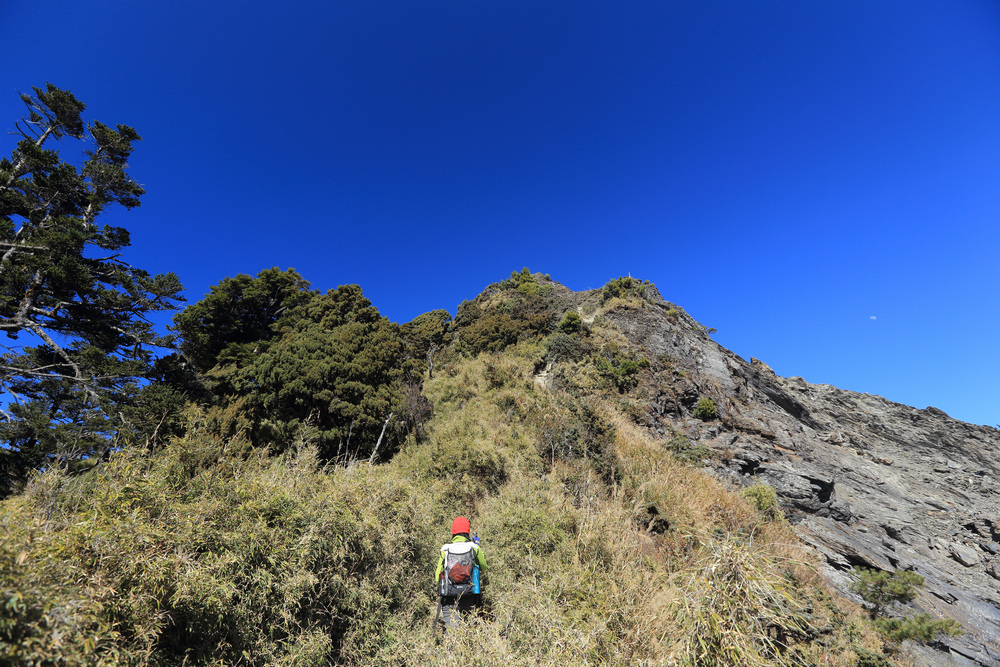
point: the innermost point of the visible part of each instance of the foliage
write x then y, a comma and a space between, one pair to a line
763, 499
919, 627
238, 316
566, 347
65, 287
299, 360
706, 410
685, 450
738, 609
203, 554
426, 334
509, 312
523, 319
338, 366
619, 370
571, 323
881, 590
624, 288
523, 282
570, 430
602, 547
468, 312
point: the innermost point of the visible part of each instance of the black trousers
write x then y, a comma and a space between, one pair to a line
453, 608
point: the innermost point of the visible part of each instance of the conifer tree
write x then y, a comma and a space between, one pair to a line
75, 313
338, 367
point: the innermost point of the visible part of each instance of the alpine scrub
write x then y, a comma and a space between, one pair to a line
603, 548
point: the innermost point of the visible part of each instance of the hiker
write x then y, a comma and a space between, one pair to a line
458, 574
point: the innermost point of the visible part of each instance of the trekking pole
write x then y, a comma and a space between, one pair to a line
437, 617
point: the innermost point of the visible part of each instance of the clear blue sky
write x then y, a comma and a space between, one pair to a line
818, 180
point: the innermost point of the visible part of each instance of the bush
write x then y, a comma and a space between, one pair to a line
468, 312
921, 628
706, 409
571, 323
522, 281
620, 372
623, 288
509, 323
563, 347
881, 590
762, 498
685, 450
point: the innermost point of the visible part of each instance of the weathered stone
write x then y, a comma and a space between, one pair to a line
967, 556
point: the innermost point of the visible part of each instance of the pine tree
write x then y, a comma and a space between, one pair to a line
66, 290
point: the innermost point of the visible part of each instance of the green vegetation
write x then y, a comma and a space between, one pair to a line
706, 409
762, 498
517, 309
571, 323
618, 369
624, 288
523, 282
685, 450
881, 590
604, 548
295, 359
425, 335
78, 311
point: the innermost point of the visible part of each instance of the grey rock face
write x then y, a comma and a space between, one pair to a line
867, 482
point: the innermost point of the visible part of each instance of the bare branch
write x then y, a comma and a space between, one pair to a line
371, 459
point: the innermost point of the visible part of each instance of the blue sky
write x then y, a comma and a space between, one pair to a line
820, 181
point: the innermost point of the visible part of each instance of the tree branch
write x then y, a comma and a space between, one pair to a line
371, 459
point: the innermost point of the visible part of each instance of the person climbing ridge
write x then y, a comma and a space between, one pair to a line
459, 574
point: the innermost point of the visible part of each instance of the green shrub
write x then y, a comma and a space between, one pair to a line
564, 347
494, 332
881, 590
623, 288
685, 450
510, 321
468, 312
706, 409
571, 323
762, 498
920, 627
522, 281
620, 372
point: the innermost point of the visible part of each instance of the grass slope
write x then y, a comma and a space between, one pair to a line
604, 548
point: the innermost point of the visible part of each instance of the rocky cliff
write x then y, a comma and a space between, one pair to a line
866, 482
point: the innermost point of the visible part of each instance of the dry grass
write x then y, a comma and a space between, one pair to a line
298, 564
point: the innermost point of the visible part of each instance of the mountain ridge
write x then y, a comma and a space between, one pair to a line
839, 462
620, 465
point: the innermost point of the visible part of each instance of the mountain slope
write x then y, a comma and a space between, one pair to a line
866, 482
564, 426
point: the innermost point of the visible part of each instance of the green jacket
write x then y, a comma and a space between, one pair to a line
480, 559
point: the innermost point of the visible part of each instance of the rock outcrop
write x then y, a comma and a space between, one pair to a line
866, 482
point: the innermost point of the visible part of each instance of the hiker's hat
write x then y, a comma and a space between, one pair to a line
460, 525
